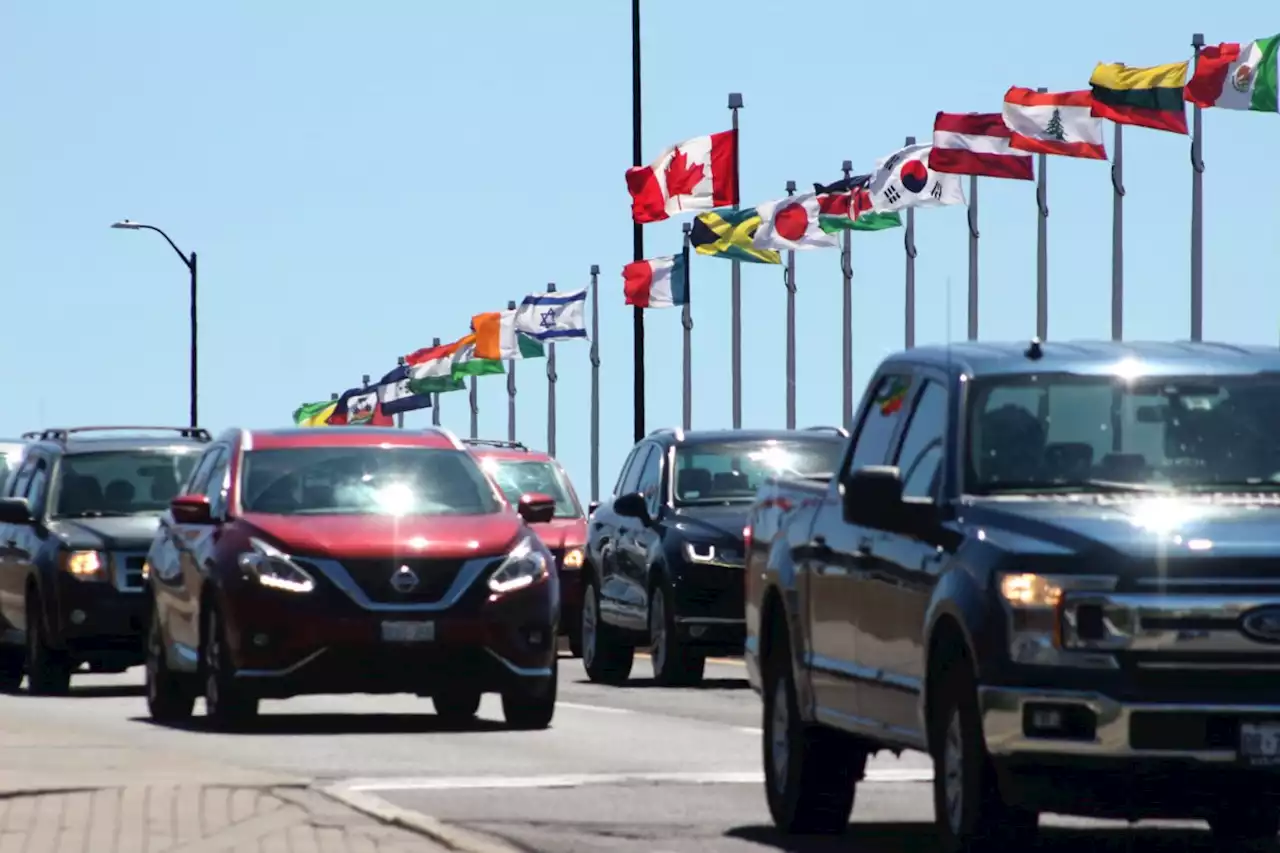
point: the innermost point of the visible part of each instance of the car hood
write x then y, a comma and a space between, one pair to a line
375, 536
1175, 534
562, 533
130, 533
712, 522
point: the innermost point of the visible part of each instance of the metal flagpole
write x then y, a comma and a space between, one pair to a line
475, 409
789, 279
435, 398
846, 271
686, 320
1197, 210
1117, 238
973, 259
1042, 246
637, 230
909, 245
595, 382
551, 390
511, 388
400, 416
735, 272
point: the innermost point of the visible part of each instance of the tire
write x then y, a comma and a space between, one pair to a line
228, 705
531, 706
12, 663
810, 774
970, 812
674, 663
48, 670
456, 707
1246, 825
606, 656
170, 698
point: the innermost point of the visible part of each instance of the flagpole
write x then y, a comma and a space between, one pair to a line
735, 271
789, 280
1197, 210
511, 387
686, 320
1042, 246
637, 230
973, 259
551, 390
400, 415
475, 409
846, 271
595, 382
435, 398
1117, 237
909, 245
364, 383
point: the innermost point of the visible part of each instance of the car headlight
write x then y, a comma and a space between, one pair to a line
704, 552
1027, 590
85, 565
273, 568
525, 565
1036, 606
573, 558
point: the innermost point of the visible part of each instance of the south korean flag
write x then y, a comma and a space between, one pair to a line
904, 179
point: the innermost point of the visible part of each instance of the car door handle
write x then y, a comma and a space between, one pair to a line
819, 545
864, 547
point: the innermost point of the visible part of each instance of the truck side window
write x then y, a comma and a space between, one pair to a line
920, 456
215, 489
650, 480
36, 489
200, 474
626, 469
18, 486
881, 418
631, 481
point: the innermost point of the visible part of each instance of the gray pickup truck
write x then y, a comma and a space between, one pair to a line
1053, 567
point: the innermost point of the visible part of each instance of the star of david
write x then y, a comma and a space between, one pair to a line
548, 318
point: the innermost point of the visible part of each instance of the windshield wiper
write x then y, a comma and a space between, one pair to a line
1087, 484
98, 513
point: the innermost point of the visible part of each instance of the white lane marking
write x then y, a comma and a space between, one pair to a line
604, 709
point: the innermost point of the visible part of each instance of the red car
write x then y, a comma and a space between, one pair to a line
354, 560
518, 470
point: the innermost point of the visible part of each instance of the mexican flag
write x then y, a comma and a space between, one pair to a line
497, 338
1237, 77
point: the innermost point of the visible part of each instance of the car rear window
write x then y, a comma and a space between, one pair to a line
517, 477
365, 481
124, 482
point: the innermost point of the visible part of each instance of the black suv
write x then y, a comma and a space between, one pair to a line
76, 520
665, 552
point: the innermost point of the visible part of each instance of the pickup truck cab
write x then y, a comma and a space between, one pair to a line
1053, 567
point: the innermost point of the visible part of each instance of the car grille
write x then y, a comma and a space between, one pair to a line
435, 577
127, 567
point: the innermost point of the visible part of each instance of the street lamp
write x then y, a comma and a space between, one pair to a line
191, 265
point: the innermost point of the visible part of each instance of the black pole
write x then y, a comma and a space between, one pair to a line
195, 347
637, 154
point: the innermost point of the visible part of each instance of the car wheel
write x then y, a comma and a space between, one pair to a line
810, 774
532, 705
48, 670
1246, 824
11, 666
227, 704
674, 663
456, 707
606, 657
170, 698
970, 812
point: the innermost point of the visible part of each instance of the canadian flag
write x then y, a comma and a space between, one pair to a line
698, 174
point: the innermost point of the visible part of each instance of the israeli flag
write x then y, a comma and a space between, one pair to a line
553, 316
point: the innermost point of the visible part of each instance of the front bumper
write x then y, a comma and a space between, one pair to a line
710, 608
570, 600
98, 623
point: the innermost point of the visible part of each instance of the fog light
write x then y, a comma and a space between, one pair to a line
261, 640
1046, 719
1063, 721
697, 630
77, 617
535, 636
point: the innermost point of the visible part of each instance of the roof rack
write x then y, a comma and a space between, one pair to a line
494, 442
61, 434
823, 428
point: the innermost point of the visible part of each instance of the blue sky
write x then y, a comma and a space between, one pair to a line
360, 178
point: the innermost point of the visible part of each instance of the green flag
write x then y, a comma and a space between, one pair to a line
308, 413
728, 234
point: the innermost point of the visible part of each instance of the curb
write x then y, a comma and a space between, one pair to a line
451, 837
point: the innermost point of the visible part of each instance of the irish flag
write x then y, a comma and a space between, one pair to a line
656, 283
497, 338
1237, 77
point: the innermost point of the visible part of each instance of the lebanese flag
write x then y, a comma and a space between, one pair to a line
656, 283
976, 144
1054, 123
697, 174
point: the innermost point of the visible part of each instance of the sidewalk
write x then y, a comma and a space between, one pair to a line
164, 818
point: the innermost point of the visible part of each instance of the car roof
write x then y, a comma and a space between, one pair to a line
492, 448
1091, 358
684, 438
107, 439
345, 436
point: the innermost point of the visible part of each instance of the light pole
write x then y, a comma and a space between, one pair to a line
191, 266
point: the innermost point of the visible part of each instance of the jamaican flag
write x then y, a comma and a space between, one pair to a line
727, 234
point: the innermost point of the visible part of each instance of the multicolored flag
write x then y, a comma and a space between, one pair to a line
792, 224
977, 144
728, 234
1237, 78
431, 370
359, 407
656, 282
904, 179
466, 363
1144, 97
846, 206
553, 316
497, 338
395, 395
1060, 123
314, 414
697, 174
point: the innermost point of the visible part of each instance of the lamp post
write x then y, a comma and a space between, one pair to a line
190, 261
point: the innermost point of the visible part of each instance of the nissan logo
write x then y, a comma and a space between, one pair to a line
1262, 624
404, 580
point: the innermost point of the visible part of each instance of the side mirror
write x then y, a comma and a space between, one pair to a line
632, 505
15, 511
191, 509
536, 508
872, 496
592, 507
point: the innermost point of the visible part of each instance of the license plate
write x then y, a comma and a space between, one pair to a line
408, 632
1260, 744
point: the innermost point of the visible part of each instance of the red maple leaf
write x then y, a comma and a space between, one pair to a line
682, 179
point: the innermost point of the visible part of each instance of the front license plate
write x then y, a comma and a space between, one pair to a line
408, 632
1260, 744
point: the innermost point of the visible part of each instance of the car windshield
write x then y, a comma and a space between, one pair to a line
365, 481
731, 471
520, 476
1069, 433
125, 482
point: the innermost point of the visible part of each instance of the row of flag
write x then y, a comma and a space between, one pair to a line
700, 174
496, 337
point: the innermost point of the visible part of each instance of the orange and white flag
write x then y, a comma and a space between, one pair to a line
1053, 123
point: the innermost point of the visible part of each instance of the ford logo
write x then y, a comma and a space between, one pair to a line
1262, 624
403, 580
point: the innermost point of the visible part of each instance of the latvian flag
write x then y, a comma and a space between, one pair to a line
976, 144
698, 174
656, 283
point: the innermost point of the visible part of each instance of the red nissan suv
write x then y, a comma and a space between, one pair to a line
353, 560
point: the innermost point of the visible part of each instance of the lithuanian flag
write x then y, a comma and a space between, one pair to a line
728, 234
1145, 97
314, 414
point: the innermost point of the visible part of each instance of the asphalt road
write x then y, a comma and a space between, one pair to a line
639, 769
